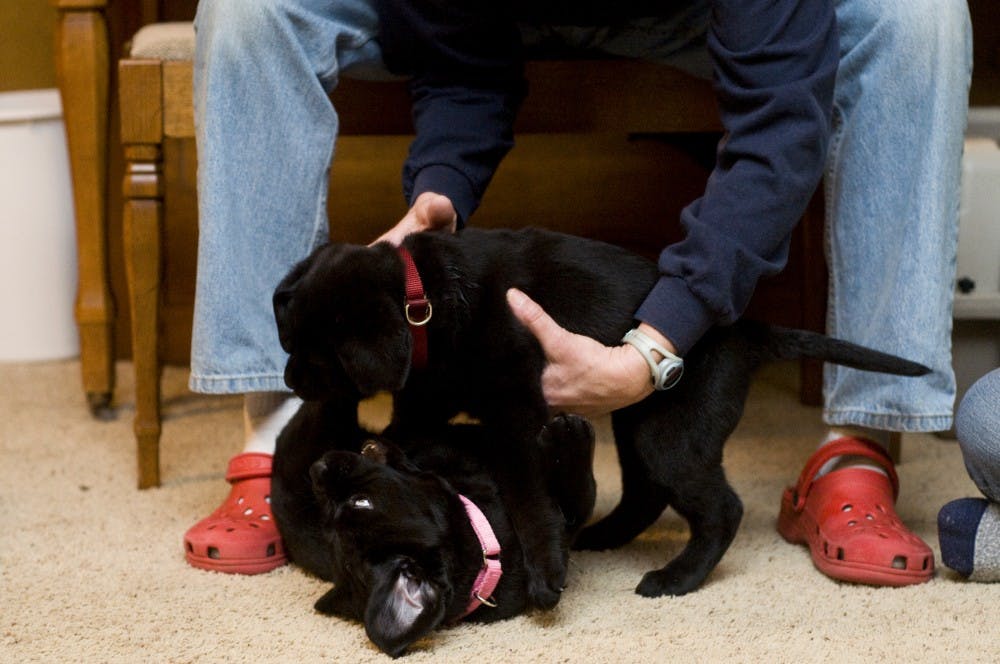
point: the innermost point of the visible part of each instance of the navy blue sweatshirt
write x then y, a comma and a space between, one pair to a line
775, 63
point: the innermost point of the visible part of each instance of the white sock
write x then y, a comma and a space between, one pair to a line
265, 414
880, 438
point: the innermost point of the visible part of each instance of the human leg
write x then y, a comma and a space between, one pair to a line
892, 190
969, 528
265, 131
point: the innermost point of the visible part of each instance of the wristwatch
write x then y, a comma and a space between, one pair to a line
665, 372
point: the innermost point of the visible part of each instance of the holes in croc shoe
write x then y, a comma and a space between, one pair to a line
265, 517
190, 547
267, 499
213, 553
840, 553
927, 564
847, 508
869, 517
248, 511
852, 522
899, 562
270, 549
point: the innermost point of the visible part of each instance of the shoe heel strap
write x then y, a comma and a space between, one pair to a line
846, 446
248, 466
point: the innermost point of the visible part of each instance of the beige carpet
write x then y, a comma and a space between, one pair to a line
91, 569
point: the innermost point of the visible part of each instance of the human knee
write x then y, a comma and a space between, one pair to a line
238, 24
920, 25
977, 423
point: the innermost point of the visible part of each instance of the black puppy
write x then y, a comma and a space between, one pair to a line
342, 318
392, 527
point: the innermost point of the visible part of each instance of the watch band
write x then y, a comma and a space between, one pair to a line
645, 345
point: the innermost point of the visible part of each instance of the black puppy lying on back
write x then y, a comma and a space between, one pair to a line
342, 319
392, 528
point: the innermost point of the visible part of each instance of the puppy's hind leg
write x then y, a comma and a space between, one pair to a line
567, 448
642, 500
535, 517
713, 512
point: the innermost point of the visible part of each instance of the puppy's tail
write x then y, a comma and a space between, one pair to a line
783, 343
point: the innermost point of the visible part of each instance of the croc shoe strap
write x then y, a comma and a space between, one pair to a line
847, 446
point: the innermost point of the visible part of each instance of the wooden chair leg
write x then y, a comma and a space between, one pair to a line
896, 447
142, 221
142, 135
82, 64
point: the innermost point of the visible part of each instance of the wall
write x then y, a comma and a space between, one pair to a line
26, 45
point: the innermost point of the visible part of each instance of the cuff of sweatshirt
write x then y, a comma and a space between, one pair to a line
676, 313
449, 182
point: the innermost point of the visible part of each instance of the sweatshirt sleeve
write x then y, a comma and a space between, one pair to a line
467, 86
775, 65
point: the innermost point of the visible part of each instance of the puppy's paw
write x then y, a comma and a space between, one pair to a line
546, 582
668, 581
543, 596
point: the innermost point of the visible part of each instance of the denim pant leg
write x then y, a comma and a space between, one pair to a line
977, 423
265, 132
892, 195
892, 189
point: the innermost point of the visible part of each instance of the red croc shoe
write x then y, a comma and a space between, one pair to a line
240, 537
847, 519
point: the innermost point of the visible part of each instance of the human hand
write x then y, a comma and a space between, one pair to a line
582, 375
429, 212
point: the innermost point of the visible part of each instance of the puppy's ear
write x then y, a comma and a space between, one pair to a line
403, 606
379, 363
340, 602
282, 300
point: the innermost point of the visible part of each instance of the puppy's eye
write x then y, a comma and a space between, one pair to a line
360, 502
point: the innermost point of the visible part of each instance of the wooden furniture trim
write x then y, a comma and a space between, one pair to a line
680, 110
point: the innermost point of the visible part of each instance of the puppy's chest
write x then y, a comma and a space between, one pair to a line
476, 384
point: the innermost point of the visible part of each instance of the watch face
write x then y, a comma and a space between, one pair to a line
670, 373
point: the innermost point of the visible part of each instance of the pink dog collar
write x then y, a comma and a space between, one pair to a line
489, 575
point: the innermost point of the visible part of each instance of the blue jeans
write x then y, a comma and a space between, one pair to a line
977, 423
266, 131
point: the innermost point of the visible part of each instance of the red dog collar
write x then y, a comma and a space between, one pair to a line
417, 308
489, 575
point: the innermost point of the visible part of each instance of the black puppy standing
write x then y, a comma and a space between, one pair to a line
341, 318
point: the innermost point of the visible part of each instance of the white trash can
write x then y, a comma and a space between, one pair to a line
37, 236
